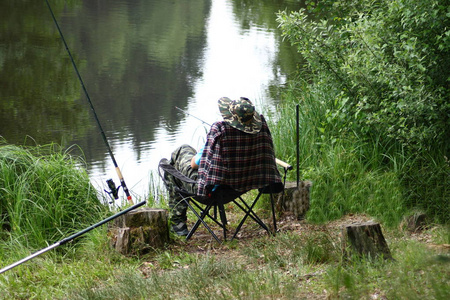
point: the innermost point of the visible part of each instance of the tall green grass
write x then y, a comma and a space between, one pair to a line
44, 196
426, 180
349, 174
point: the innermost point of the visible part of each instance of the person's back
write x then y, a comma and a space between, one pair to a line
241, 160
238, 153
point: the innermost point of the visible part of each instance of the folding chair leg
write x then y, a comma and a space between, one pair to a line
194, 228
250, 213
273, 214
214, 218
200, 219
223, 219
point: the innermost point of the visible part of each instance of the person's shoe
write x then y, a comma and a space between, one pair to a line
180, 229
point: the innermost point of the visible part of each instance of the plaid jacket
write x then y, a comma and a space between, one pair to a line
238, 159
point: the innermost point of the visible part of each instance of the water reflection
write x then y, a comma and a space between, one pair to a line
138, 59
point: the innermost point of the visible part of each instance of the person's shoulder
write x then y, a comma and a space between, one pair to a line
219, 125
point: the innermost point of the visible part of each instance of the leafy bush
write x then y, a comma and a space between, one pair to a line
389, 63
376, 82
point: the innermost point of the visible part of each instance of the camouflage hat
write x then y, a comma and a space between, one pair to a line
240, 114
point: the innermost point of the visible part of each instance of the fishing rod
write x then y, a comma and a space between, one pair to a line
110, 183
185, 112
285, 165
297, 113
70, 238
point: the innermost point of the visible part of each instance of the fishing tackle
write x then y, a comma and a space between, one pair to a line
70, 238
119, 173
112, 189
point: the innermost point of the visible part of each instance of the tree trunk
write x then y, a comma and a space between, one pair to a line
365, 239
140, 231
415, 223
295, 199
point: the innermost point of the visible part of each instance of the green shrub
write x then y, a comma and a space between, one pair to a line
374, 106
388, 62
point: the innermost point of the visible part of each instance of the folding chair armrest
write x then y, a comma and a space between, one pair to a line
283, 164
167, 167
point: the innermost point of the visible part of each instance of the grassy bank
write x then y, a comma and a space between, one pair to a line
301, 262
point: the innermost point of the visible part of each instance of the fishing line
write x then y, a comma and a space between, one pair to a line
111, 184
183, 111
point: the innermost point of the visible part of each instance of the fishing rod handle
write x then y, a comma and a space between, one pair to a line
285, 165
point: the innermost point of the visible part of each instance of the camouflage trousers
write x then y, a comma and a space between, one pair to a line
181, 160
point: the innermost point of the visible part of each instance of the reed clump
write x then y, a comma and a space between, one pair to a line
44, 196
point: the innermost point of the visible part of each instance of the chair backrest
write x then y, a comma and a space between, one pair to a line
237, 159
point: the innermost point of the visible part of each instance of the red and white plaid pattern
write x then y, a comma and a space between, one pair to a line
238, 159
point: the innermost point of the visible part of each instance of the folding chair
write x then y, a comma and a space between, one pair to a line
233, 162
201, 206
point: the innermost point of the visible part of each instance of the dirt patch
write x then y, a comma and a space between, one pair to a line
203, 242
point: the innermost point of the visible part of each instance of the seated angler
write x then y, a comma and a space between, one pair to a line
238, 153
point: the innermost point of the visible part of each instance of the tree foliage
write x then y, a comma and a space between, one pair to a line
388, 63
379, 73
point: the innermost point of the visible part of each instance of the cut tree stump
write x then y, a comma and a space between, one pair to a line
140, 231
414, 223
295, 199
365, 239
